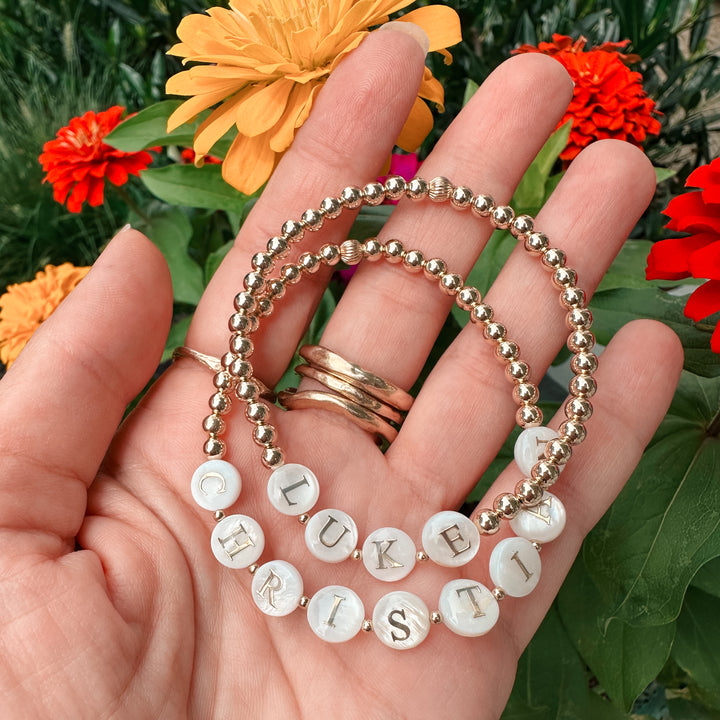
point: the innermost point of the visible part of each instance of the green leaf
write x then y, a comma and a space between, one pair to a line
171, 231
625, 659
176, 337
550, 151
190, 186
370, 221
149, 128
628, 269
665, 524
614, 308
697, 643
215, 258
708, 578
681, 709
662, 174
551, 683
471, 88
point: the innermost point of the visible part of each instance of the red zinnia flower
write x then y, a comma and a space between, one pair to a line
608, 100
78, 161
698, 254
187, 157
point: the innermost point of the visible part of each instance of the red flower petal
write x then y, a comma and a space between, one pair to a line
670, 259
705, 262
688, 213
704, 301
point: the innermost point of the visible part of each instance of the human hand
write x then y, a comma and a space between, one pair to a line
113, 605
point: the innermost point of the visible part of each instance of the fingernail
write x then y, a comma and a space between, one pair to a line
411, 29
123, 229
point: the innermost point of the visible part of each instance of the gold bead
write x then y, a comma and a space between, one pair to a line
304, 600
374, 193
564, 277
573, 432
394, 251
372, 249
263, 262
545, 473
467, 297
579, 319
553, 258
240, 368
528, 416
528, 492
351, 197
507, 350
247, 391
439, 189
257, 412
220, 403
222, 380
572, 297
293, 230
214, 424
495, 331
278, 247
483, 205
254, 282
331, 207
218, 515
330, 254
461, 197
435, 617
581, 341
536, 242
214, 448
312, 220
450, 283
522, 225
506, 505
537, 545
488, 522
272, 457
517, 370
584, 363
481, 313
578, 409
420, 556
356, 554
558, 452
252, 569
240, 322
498, 594
351, 252
413, 261
290, 273
583, 386
241, 346
434, 268
394, 187
309, 262
367, 626
502, 216
416, 189
244, 301
525, 393
264, 434
303, 519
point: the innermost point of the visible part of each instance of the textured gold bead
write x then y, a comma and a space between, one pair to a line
351, 252
440, 189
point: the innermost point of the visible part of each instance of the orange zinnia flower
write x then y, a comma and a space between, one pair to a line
78, 161
608, 100
269, 58
26, 305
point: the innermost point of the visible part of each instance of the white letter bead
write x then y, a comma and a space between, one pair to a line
530, 447
331, 535
540, 523
450, 539
468, 608
237, 541
277, 588
388, 554
215, 485
401, 620
515, 566
335, 613
293, 489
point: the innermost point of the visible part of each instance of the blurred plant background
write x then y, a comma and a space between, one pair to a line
635, 630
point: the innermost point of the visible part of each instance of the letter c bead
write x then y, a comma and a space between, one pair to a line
215, 485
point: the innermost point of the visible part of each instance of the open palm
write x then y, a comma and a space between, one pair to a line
111, 602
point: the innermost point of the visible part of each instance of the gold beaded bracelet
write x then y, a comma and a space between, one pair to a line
400, 619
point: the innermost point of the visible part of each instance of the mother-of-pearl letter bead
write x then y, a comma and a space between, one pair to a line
401, 620
335, 613
388, 554
540, 523
215, 485
293, 489
450, 539
237, 541
277, 588
515, 566
331, 535
468, 608
530, 447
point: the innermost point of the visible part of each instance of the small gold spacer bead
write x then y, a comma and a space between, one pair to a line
253, 568
304, 600
537, 545
498, 594
367, 626
420, 556
218, 515
435, 617
357, 554
302, 519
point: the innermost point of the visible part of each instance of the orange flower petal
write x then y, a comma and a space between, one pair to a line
216, 125
440, 23
248, 163
298, 108
261, 107
416, 128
